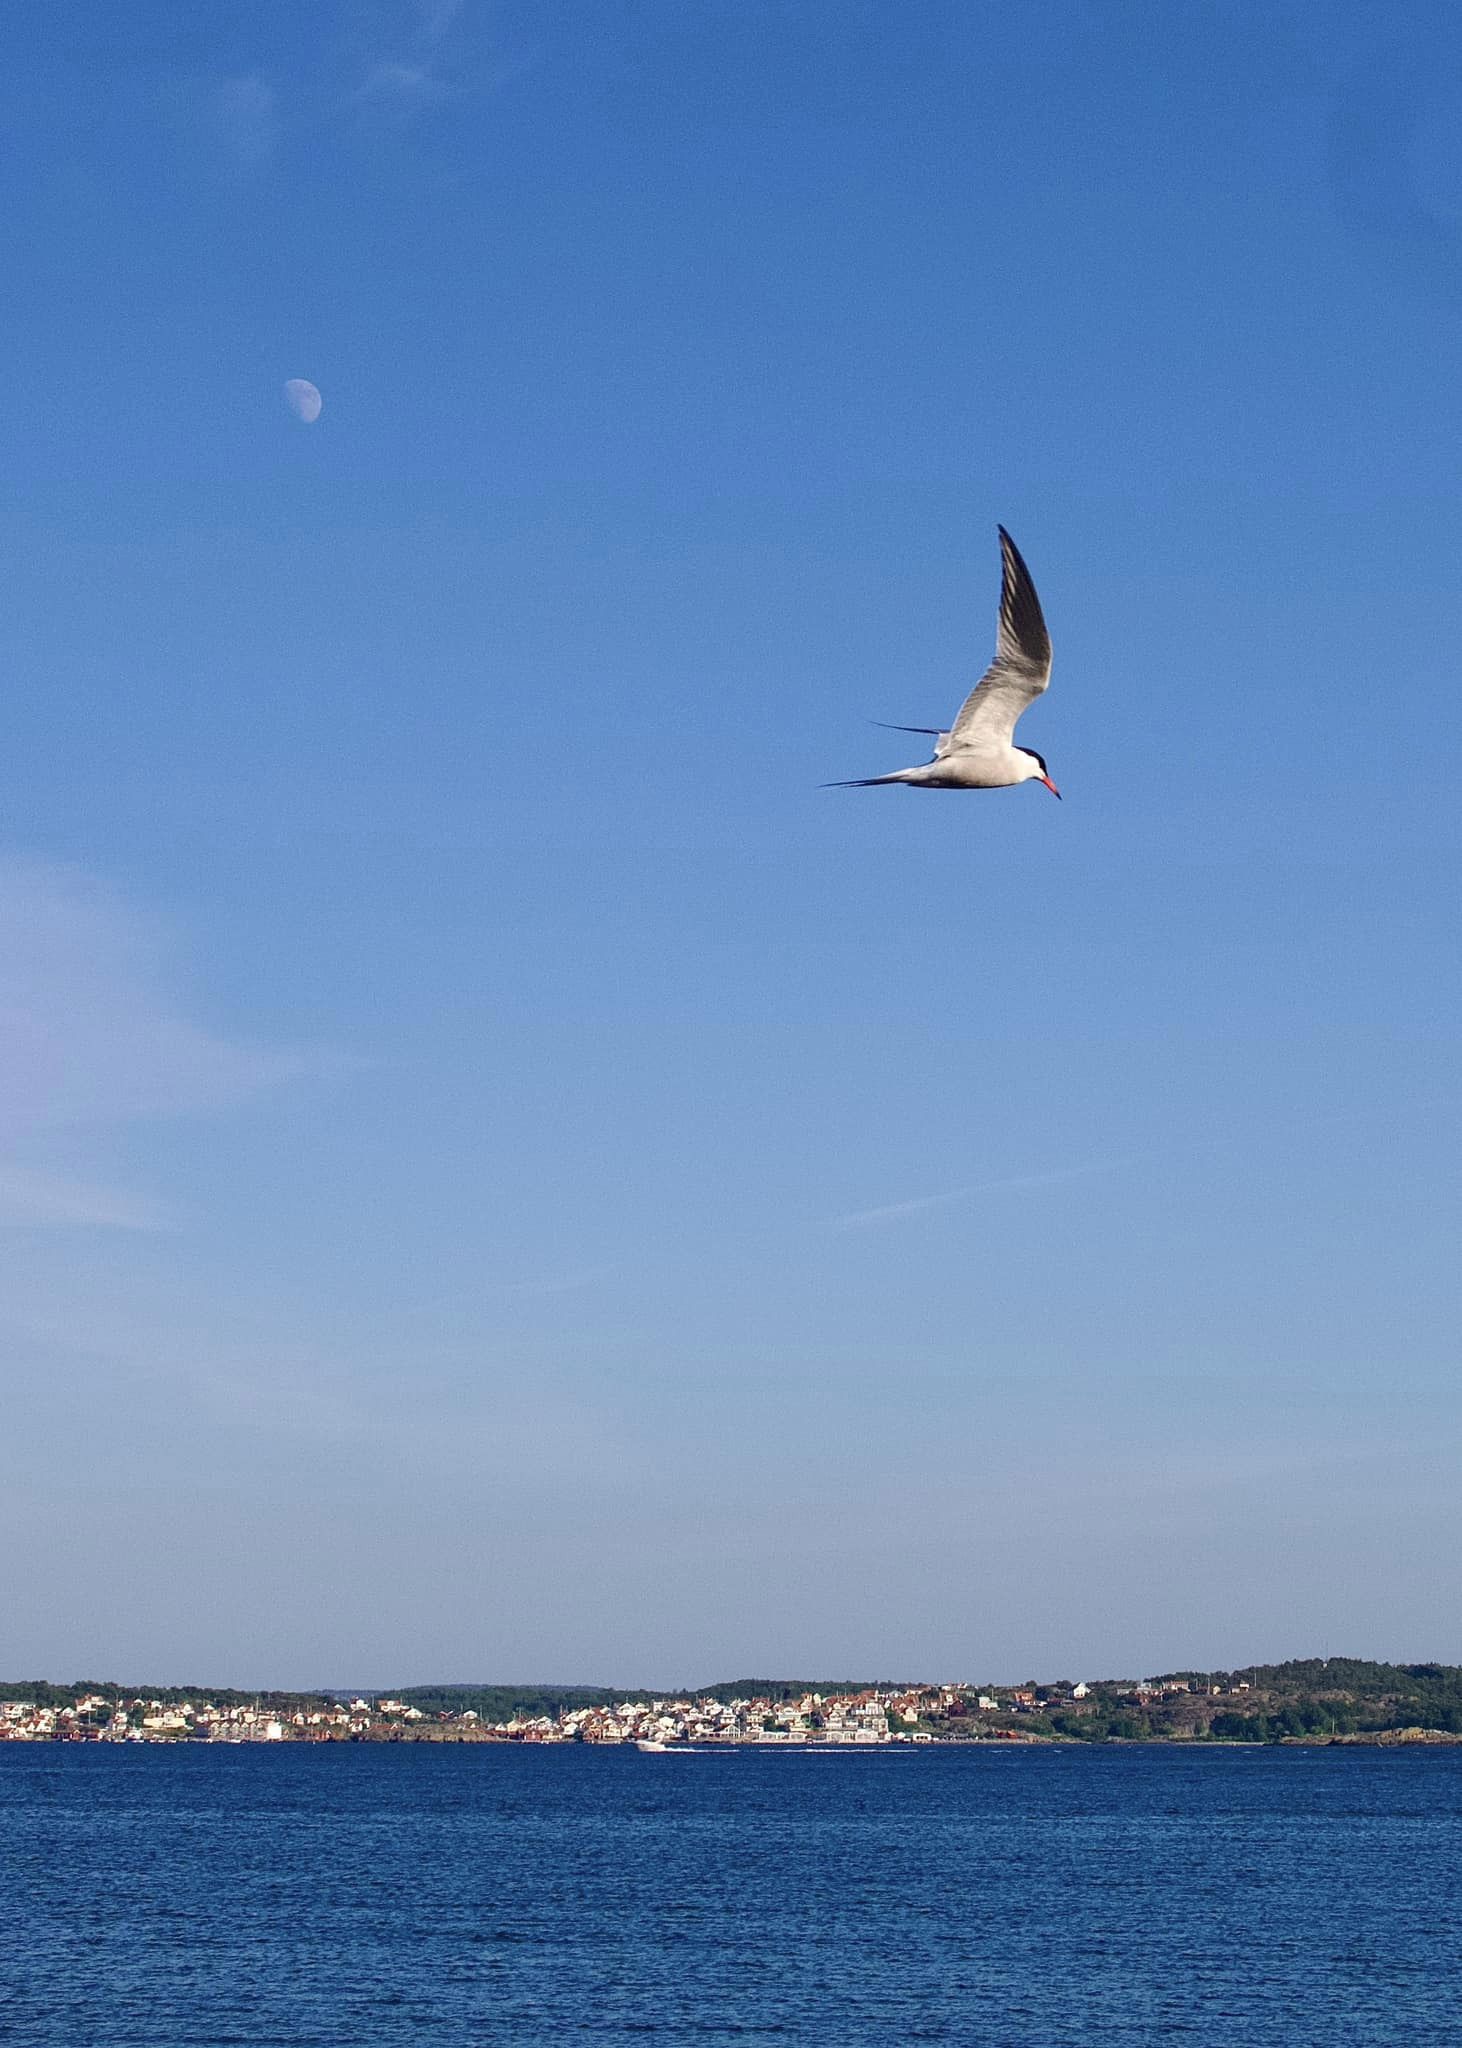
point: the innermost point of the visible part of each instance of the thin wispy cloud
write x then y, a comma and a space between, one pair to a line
410, 81
245, 120
92, 1030
540, 1287
94, 1034
895, 1212
437, 16
1197, 1146
230, 121
433, 56
412, 72
47, 1201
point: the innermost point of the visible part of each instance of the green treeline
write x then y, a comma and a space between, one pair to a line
502, 1702
42, 1692
780, 1690
1304, 1697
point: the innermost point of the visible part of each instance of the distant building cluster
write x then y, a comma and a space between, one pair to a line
862, 1717
874, 1715
96, 1717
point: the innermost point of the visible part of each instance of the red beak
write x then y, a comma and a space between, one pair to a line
1050, 785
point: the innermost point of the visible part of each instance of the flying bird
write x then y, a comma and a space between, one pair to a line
978, 751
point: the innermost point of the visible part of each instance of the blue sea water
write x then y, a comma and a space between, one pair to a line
444, 1897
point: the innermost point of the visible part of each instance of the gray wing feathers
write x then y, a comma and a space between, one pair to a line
1021, 668
1023, 641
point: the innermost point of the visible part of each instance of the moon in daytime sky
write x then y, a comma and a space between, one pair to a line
303, 400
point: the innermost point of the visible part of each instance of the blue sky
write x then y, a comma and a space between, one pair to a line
500, 1174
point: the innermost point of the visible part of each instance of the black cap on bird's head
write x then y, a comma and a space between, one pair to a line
1045, 774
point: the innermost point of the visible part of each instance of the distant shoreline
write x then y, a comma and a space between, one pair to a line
1312, 1701
1424, 1741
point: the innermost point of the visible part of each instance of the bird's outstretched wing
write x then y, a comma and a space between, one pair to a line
1021, 668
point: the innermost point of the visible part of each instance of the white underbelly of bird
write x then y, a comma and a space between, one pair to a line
964, 770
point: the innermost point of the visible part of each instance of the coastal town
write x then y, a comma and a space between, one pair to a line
862, 1718
865, 1717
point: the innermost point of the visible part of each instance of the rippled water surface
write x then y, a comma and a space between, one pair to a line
352, 1896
